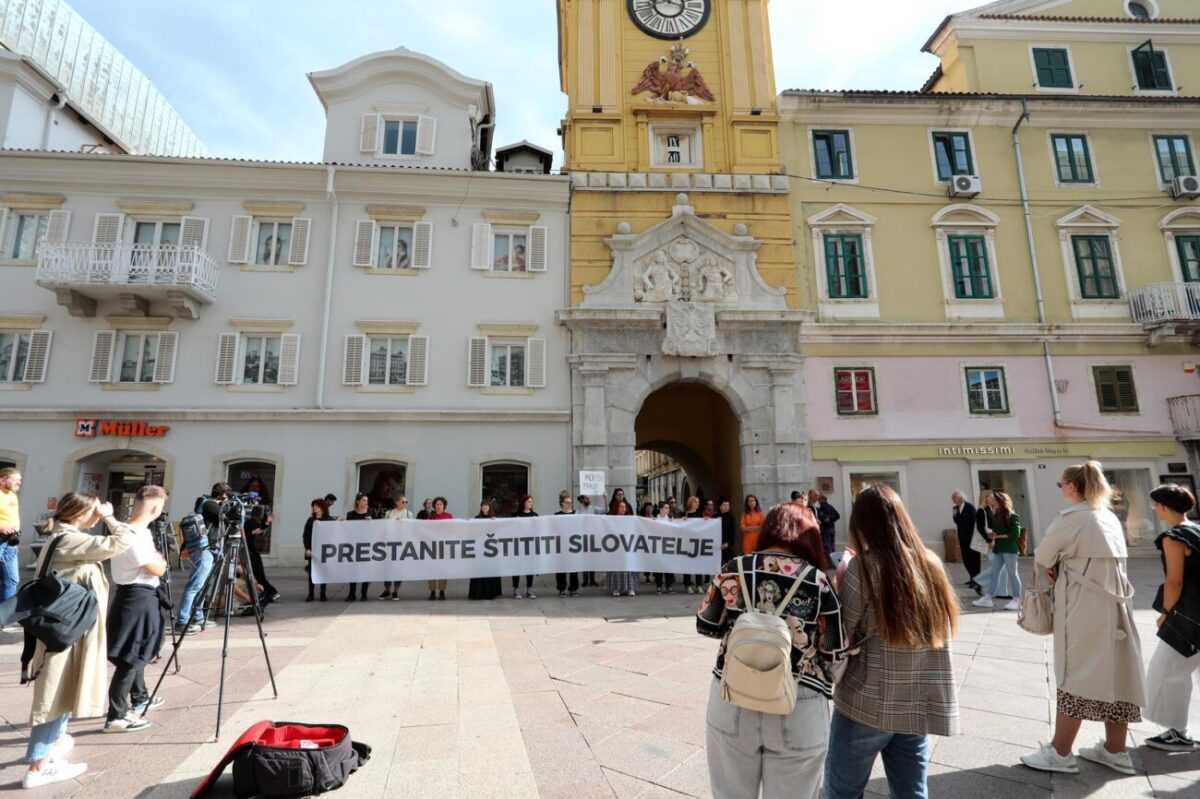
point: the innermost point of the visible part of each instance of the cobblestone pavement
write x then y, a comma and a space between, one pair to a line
585, 697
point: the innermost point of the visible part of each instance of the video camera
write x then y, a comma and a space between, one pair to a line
248, 505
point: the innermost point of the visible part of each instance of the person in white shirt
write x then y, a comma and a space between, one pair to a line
135, 618
391, 588
586, 509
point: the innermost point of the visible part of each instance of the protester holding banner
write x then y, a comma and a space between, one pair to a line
481, 588
437, 588
664, 580
391, 588
526, 511
320, 510
620, 582
361, 512
694, 512
586, 509
561, 581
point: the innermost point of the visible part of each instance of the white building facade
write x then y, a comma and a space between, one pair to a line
381, 322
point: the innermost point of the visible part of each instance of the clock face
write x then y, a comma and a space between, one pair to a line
669, 19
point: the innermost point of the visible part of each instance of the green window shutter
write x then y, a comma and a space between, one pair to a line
845, 269
952, 154
1053, 68
1188, 248
1094, 264
1115, 391
969, 266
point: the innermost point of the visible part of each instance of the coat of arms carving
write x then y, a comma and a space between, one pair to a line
674, 79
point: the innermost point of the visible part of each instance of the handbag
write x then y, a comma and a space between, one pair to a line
1037, 606
1180, 629
979, 543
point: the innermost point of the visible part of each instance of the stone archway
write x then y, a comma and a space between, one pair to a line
697, 428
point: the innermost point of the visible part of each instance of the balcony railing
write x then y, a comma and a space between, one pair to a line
129, 267
1185, 416
1165, 303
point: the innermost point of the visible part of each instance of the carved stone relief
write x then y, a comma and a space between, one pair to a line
691, 330
683, 270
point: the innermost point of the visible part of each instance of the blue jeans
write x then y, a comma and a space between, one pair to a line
201, 565
9, 563
852, 751
43, 736
1005, 562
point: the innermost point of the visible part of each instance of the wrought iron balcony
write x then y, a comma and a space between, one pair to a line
1185, 416
1165, 304
137, 274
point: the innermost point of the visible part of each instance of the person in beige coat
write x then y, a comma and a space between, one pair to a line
1097, 653
75, 681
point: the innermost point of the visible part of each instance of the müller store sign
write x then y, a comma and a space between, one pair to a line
123, 428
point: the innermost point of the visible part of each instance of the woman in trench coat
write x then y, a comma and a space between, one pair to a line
75, 681
1097, 654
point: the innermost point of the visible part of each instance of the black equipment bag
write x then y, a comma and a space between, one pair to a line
289, 759
195, 534
52, 610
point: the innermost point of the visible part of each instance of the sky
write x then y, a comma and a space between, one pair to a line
236, 70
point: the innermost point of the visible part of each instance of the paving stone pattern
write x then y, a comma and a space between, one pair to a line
572, 698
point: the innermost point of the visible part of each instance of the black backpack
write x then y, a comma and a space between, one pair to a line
195, 533
52, 610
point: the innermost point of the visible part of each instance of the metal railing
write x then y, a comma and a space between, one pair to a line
165, 265
1162, 303
1185, 416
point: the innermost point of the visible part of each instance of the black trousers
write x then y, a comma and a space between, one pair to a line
660, 577
589, 578
308, 572
971, 559
828, 538
256, 566
560, 581
128, 683
700, 580
516, 580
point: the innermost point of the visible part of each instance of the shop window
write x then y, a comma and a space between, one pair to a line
258, 477
855, 391
987, 391
866, 479
504, 484
1115, 391
1131, 502
382, 482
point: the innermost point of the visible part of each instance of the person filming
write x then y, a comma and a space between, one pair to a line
188, 616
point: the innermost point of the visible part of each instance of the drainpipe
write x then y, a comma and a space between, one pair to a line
1037, 290
49, 123
330, 171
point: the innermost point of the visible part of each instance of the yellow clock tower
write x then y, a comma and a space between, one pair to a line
683, 318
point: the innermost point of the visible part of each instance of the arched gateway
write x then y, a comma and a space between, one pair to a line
684, 304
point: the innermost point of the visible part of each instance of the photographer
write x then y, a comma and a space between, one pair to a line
188, 620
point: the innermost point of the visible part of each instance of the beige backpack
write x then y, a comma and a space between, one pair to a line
758, 656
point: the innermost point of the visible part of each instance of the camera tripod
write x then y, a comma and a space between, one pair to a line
228, 554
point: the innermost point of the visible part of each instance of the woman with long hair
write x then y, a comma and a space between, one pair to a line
437, 588
485, 587
566, 583
1006, 549
619, 583
898, 688
320, 511
525, 510
361, 512
750, 523
751, 753
74, 681
1097, 652
1170, 673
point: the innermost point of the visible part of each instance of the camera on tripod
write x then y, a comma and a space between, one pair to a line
248, 506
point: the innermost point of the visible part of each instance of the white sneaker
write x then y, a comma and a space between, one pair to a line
1120, 761
633, 593
516, 594
54, 771
1047, 759
530, 595
984, 601
616, 593
127, 724
1014, 605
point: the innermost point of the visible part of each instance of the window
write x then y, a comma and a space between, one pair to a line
986, 391
274, 243
383, 482
26, 232
969, 266
259, 477
1094, 262
507, 364
138, 353
1188, 248
1138, 9
504, 484
260, 360
831, 154
1174, 157
149, 234
675, 145
844, 268
1150, 68
1072, 158
1053, 68
387, 361
14, 355
400, 137
952, 153
1115, 392
395, 247
504, 362
855, 391
134, 358
509, 251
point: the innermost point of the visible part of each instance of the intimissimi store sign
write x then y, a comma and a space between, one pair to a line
121, 428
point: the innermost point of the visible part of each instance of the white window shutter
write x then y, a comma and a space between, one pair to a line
422, 245
477, 362
164, 361
535, 363
39, 356
239, 239
227, 355
354, 368
289, 358
426, 133
537, 249
481, 246
298, 255
108, 228
102, 356
418, 361
193, 232
56, 228
3, 224
368, 140
364, 242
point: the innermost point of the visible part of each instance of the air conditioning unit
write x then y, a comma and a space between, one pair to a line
1185, 188
965, 186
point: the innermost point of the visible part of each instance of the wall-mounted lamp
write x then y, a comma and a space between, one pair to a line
597, 109
755, 111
